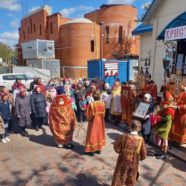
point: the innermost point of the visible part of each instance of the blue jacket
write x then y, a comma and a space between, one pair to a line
5, 110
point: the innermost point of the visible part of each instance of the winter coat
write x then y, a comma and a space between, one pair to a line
5, 110
38, 105
23, 110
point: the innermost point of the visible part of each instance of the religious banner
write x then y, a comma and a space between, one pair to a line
125, 99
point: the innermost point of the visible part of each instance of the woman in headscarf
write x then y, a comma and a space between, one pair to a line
17, 84
163, 128
38, 107
146, 124
23, 110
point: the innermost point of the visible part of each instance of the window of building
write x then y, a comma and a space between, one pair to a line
51, 28
92, 45
28, 30
120, 38
107, 34
31, 25
34, 28
24, 34
40, 30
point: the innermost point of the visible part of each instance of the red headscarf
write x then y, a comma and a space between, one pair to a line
168, 100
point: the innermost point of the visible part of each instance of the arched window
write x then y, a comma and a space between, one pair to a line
31, 25
23, 34
107, 34
120, 38
92, 45
28, 30
34, 28
40, 29
51, 28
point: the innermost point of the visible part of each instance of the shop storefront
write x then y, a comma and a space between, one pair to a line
174, 34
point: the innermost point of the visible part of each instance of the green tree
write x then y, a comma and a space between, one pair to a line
6, 53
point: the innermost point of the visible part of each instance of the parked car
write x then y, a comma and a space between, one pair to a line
8, 80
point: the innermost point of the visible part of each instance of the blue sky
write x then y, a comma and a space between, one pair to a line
11, 12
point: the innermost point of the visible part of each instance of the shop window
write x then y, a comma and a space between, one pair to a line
40, 30
34, 28
92, 45
120, 38
107, 34
51, 28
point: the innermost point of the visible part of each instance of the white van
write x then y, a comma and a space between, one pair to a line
8, 80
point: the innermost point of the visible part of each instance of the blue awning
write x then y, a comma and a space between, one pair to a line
142, 28
178, 21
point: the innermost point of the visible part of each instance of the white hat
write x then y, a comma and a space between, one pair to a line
148, 96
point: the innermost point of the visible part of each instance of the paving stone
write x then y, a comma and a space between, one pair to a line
35, 160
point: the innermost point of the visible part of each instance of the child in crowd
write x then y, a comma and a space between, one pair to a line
131, 149
106, 98
89, 98
5, 115
83, 107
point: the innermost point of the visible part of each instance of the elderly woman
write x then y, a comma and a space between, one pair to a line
38, 107
146, 124
22, 110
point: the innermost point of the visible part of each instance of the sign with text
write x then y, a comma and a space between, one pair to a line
175, 33
111, 69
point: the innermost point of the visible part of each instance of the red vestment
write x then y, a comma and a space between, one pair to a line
170, 87
62, 119
150, 88
179, 127
131, 149
96, 127
128, 103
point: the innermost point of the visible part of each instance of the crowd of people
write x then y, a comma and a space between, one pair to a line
64, 102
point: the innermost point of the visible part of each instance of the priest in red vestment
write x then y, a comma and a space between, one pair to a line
62, 121
151, 88
95, 139
179, 127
